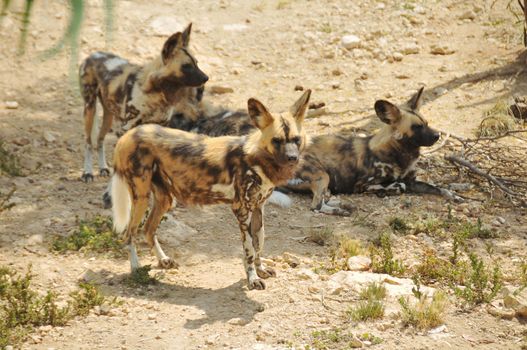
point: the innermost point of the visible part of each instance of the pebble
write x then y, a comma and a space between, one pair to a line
306, 274
11, 104
470, 15
410, 48
441, 50
397, 56
237, 321
9, 347
151, 316
359, 263
48, 136
290, 259
500, 219
350, 41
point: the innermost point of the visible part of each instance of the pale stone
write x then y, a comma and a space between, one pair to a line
359, 263
350, 41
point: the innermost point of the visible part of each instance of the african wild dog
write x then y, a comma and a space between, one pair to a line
198, 170
383, 163
133, 95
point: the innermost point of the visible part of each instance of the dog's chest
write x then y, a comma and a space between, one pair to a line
254, 187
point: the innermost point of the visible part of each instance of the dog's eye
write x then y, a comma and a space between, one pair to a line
418, 126
276, 142
296, 140
186, 67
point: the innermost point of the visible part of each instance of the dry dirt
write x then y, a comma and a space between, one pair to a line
261, 49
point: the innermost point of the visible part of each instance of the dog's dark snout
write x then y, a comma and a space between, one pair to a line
205, 78
292, 158
435, 136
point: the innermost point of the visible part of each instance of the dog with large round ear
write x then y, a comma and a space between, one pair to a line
177, 67
175, 41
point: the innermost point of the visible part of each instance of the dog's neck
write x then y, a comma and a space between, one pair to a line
400, 150
152, 82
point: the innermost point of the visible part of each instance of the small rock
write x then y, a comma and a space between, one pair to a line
516, 302
215, 89
359, 263
500, 219
306, 274
9, 347
37, 238
312, 113
441, 50
291, 260
313, 289
299, 88
355, 343
212, 339
440, 91
105, 309
501, 313
151, 316
89, 276
48, 136
437, 330
397, 56
471, 15
11, 104
336, 72
410, 48
22, 141
350, 41
237, 321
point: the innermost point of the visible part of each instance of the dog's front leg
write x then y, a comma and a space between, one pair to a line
426, 188
244, 216
258, 237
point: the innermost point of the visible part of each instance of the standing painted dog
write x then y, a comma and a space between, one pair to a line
198, 170
383, 163
132, 95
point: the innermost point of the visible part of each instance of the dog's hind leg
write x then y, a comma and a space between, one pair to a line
162, 203
139, 207
107, 120
258, 236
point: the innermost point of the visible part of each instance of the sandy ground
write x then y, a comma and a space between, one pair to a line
260, 49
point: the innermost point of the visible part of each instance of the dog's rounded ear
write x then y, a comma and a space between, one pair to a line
387, 112
298, 110
260, 116
186, 35
172, 43
415, 101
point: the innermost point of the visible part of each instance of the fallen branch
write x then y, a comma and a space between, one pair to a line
478, 171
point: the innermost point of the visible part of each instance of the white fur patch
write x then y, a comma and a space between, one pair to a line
121, 203
280, 199
227, 114
113, 63
294, 182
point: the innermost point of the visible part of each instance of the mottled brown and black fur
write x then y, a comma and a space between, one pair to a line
383, 163
132, 95
220, 123
199, 170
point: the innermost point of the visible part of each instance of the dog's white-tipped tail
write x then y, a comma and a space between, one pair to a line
280, 199
121, 203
